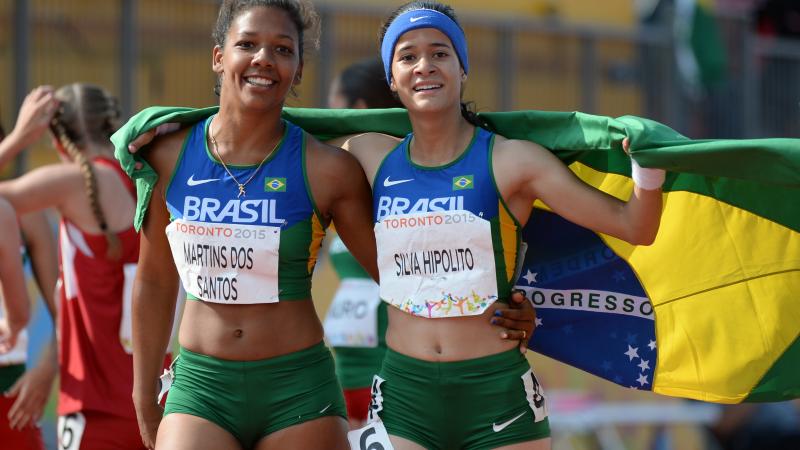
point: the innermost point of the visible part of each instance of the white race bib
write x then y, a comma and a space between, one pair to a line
371, 437
70, 431
437, 264
226, 263
535, 395
125, 323
352, 319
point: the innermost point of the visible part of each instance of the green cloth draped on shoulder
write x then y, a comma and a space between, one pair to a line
570, 135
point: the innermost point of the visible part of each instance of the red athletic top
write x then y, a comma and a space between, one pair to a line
96, 371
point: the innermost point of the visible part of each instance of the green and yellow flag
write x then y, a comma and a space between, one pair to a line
710, 311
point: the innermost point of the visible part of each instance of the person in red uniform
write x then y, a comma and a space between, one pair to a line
26, 389
14, 315
98, 254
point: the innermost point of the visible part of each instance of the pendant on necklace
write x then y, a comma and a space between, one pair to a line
241, 191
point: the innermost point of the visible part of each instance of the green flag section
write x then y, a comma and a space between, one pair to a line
710, 311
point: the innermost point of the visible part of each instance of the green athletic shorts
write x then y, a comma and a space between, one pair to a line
479, 403
251, 399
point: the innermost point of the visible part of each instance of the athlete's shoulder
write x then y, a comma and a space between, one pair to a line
519, 159
525, 154
504, 145
370, 147
162, 154
333, 174
328, 159
371, 142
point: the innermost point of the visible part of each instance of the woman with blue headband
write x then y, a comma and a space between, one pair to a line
449, 202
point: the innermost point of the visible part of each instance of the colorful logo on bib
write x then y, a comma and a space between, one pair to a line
275, 185
463, 182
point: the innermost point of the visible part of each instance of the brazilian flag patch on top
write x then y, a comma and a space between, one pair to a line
275, 185
462, 182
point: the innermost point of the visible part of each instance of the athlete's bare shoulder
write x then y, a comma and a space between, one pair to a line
163, 152
370, 142
370, 149
515, 155
333, 174
328, 158
365, 142
511, 148
518, 164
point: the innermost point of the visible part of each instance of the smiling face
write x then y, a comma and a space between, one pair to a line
260, 61
426, 72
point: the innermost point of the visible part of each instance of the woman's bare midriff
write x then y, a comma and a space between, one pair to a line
249, 332
451, 339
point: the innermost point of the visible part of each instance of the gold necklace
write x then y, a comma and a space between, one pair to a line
225, 166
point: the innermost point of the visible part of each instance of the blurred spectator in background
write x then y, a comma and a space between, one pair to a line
780, 18
699, 50
25, 392
14, 315
362, 85
32, 389
355, 325
698, 60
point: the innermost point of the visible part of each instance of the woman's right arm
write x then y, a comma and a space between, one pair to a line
33, 388
42, 247
154, 294
15, 303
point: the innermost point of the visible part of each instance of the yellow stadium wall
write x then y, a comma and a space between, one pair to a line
78, 41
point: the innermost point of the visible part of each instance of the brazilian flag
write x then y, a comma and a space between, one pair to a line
710, 311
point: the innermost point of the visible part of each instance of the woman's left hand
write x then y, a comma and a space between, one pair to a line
519, 319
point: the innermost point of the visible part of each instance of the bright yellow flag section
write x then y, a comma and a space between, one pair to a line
719, 279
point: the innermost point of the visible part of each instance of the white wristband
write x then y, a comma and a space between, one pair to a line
166, 128
647, 179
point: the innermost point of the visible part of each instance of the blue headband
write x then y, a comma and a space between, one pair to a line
422, 18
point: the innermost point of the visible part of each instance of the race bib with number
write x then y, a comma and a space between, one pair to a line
371, 437
226, 263
352, 318
70, 431
437, 264
535, 396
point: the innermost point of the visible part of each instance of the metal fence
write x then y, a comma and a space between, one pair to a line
153, 52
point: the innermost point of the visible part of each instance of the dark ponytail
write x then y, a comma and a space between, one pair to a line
468, 113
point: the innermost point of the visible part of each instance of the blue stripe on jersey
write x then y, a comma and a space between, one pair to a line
402, 187
201, 190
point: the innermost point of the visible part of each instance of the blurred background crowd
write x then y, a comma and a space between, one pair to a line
707, 68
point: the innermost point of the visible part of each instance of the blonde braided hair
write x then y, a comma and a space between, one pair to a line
88, 114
